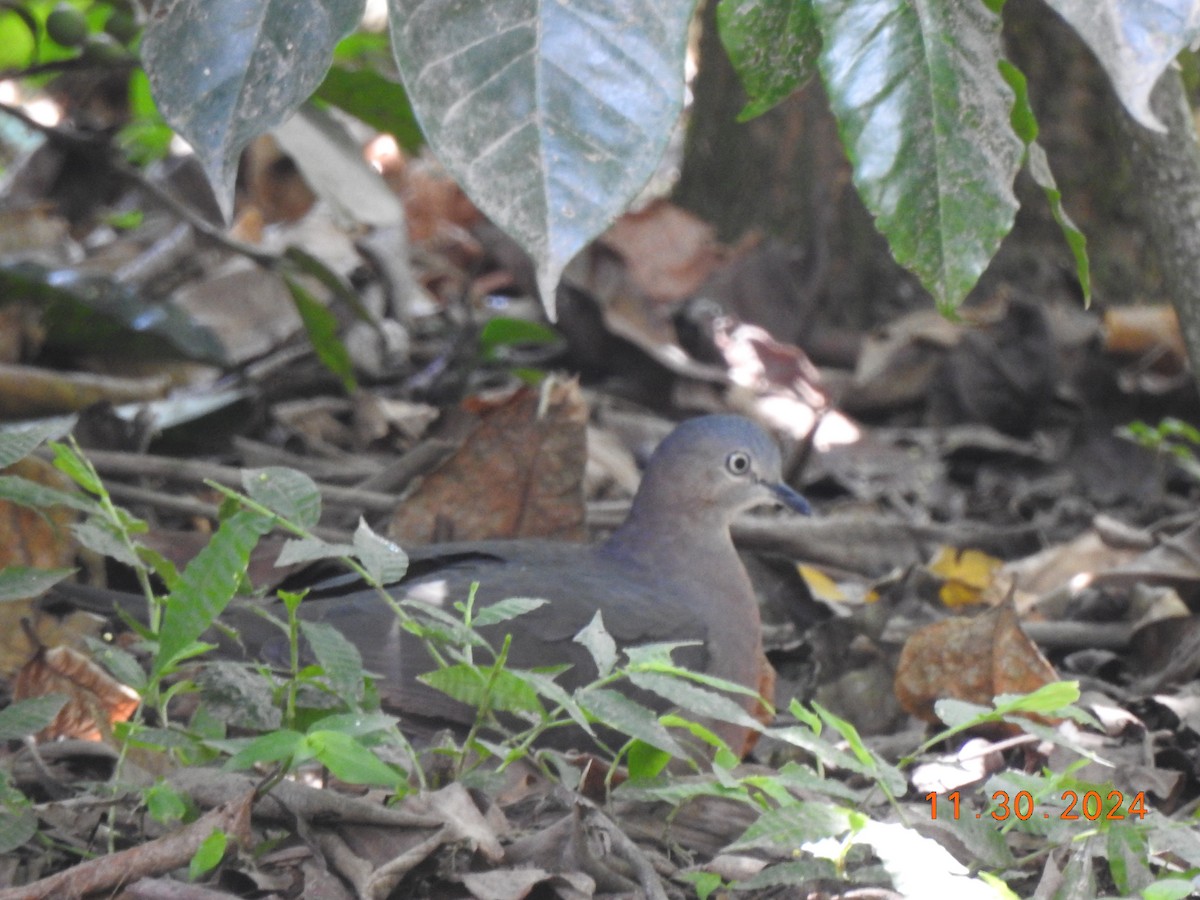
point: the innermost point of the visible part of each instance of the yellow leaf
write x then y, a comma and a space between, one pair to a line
967, 573
821, 585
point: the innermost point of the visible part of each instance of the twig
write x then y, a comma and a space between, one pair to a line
110, 462
153, 858
76, 64
214, 233
190, 506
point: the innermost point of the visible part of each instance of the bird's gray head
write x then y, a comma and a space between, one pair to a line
715, 466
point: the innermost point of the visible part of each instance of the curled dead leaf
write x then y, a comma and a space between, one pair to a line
971, 659
95, 700
518, 474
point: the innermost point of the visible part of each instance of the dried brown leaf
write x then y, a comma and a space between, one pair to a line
670, 252
971, 659
95, 699
518, 474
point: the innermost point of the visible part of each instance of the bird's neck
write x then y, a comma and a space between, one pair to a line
653, 536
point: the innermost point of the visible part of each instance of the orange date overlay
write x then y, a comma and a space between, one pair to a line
1090, 806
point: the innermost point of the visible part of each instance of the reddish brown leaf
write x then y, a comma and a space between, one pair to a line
518, 474
39, 538
971, 659
95, 699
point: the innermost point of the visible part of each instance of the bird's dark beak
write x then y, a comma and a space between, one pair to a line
788, 497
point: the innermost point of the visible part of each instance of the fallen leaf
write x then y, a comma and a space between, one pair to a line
95, 701
38, 538
965, 574
518, 474
971, 659
670, 252
1146, 331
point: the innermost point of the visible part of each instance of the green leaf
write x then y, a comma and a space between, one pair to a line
505, 610
22, 718
803, 778
338, 287
653, 658
24, 492
1169, 889
339, 658
146, 138
374, 99
384, 561
322, 328
552, 116
503, 332
207, 585
76, 468
773, 46
166, 805
806, 716
1128, 856
436, 624
888, 776
1048, 699
542, 682
629, 717
694, 699
310, 549
962, 714
286, 492
703, 883
1025, 125
598, 642
467, 684
120, 662
824, 751
350, 761
21, 583
208, 855
357, 724
18, 39
17, 443
787, 827
275, 746
924, 117
1024, 122
99, 536
225, 71
645, 761
17, 824
1039, 169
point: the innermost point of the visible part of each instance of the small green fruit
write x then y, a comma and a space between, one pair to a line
101, 48
121, 26
66, 26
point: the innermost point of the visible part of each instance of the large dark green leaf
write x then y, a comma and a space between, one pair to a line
225, 71
207, 585
550, 114
1135, 41
86, 313
773, 44
924, 116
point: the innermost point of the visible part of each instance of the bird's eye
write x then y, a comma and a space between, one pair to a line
738, 462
